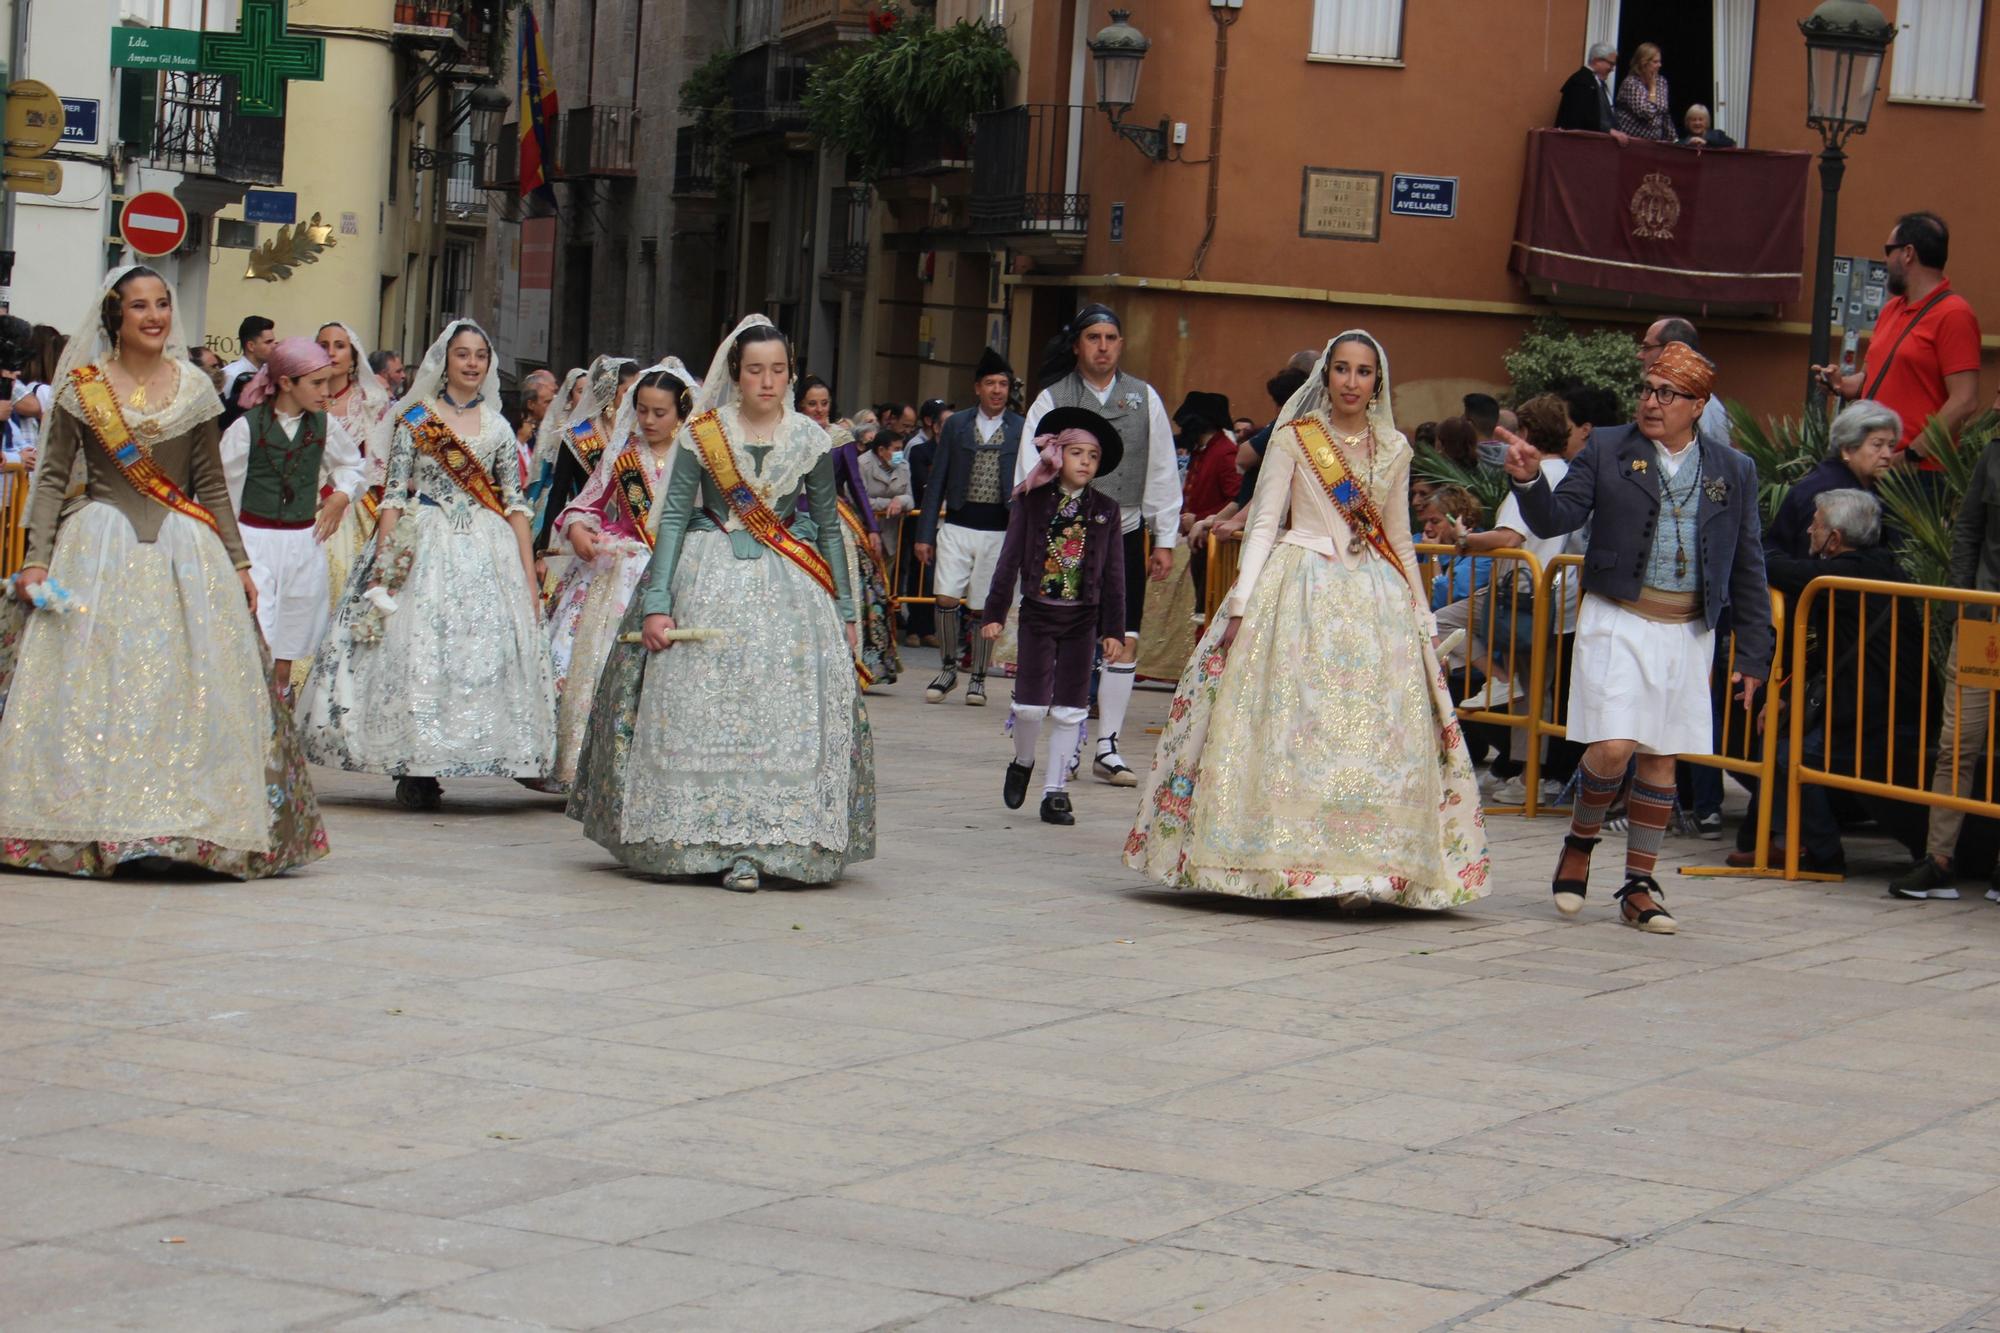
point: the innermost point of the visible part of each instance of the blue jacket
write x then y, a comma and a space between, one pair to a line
1614, 485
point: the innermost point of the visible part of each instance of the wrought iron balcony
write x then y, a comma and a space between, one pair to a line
765, 87
471, 24
694, 162
503, 160
847, 231
196, 130
599, 141
1021, 171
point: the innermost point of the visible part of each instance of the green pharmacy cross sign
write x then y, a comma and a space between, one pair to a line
262, 55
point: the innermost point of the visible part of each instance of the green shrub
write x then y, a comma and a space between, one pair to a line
1553, 355
913, 81
705, 100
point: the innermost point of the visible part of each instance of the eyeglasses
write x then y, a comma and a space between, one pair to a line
1665, 395
1893, 246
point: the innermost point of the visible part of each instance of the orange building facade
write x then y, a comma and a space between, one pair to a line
1205, 254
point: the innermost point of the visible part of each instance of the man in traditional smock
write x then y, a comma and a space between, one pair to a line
1083, 369
1674, 540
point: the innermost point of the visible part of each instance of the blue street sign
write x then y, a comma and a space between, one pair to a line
80, 119
1424, 197
279, 206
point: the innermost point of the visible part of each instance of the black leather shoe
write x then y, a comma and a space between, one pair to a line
1016, 790
1055, 808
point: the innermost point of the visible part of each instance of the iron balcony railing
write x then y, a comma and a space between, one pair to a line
197, 130
765, 87
600, 140
847, 230
1021, 160
694, 162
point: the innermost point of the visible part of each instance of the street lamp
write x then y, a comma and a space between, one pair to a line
483, 107
1117, 51
1845, 43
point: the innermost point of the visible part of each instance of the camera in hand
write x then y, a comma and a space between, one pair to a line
15, 334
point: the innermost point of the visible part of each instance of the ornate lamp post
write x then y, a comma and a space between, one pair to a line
1845, 43
1118, 51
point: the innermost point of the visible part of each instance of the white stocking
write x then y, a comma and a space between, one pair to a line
1065, 731
1027, 730
1114, 696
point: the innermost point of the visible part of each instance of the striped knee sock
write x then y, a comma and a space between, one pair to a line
1594, 794
1649, 808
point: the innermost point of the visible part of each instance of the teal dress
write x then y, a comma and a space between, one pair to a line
753, 746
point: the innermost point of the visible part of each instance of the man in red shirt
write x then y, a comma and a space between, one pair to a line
1212, 477
1923, 357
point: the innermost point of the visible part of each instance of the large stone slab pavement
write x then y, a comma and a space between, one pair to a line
467, 1075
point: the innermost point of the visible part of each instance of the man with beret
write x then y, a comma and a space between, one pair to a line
1082, 369
1674, 539
964, 518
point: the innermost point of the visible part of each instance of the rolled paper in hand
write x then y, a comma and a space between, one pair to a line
681, 636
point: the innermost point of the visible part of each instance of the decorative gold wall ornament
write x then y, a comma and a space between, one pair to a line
1655, 208
298, 244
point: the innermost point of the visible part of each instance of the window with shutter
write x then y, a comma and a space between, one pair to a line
1935, 57
1362, 31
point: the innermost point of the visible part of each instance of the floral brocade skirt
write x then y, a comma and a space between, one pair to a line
753, 746
877, 630
1319, 757
584, 615
146, 725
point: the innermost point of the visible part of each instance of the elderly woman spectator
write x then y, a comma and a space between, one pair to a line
1642, 110
1701, 131
1863, 447
886, 477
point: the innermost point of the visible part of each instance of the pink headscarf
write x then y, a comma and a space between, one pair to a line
1050, 462
294, 357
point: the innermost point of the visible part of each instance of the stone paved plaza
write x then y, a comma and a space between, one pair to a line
466, 1075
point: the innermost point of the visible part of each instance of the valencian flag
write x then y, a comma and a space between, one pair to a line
537, 101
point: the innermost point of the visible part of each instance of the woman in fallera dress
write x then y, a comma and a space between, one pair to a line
141, 723
578, 447
609, 530
866, 565
1311, 750
747, 751
435, 666
360, 402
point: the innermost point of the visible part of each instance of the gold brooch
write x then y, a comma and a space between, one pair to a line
1638, 465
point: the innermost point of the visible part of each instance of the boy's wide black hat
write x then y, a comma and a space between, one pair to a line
1082, 418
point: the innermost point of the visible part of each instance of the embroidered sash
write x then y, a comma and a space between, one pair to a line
371, 502
1349, 496
584, 442
629, 471
757, 517
107, 423
431, 436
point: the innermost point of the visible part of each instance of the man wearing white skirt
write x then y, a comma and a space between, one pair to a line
277, 457
1674, 541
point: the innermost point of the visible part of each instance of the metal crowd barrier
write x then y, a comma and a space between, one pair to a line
1975, 669
1225, 557
925, 573
1486, 609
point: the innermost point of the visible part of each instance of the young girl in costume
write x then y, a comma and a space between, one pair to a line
282, 456
436, 666
1311, 750
141, 722
1065, 554
745, 749
609, 530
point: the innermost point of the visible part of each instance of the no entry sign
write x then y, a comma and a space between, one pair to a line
153, 223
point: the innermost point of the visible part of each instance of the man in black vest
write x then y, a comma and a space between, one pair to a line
1082, 369
964, 520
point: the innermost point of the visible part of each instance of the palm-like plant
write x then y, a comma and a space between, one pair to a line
1489, 484
1784, 450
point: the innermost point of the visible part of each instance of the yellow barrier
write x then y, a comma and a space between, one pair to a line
1225, 557
925, 572
1830, 639
13, 521
1502, 583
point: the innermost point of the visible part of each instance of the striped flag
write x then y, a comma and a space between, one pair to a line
537, 101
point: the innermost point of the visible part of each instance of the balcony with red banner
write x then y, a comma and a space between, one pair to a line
1654, 225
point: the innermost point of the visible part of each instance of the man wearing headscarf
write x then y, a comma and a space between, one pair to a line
1674, 541
969, 489
1083, 369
